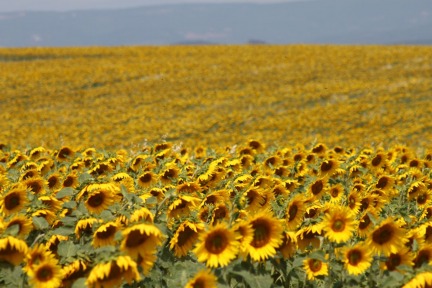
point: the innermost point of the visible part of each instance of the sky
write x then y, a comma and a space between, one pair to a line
65, 5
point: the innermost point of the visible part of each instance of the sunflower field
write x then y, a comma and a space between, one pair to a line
216, 166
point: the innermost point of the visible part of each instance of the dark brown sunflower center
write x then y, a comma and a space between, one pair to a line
109, 232
35, 186
315, 265
421, 199
354, 257
376, 160
382, 182
292, 212
365, 222
12, 201
334, 192
52, 182
114, 273
383, 234
96, 199
393, 261
351, 202
216, 242
199, 283
68, 182
338, 225
185, 235
146, 178
261, 233
136, 238
326, 166
422, 257
317, 187
220, 213
44, 274
170, 173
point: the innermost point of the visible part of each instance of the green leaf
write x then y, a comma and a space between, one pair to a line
65, 192
40, 223
84, 177
254, 281
79, 283
65, 231
67, 249
13, 230
318, 255
70, 205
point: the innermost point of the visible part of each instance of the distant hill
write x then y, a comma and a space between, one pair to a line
320, 21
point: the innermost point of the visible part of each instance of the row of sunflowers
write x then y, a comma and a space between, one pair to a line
215, 96
253, 215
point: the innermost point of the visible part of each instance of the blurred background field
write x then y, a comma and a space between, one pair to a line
216, 96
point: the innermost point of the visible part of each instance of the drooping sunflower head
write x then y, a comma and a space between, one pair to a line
170, 174
24, 225
317, 188
308, 237
113, 273
289, 245
85, 226
142, 215
267, 236
217, 246
328, 167
141, 240
65, 153
70, 180
188, 188
182, 206
12, 250
204, 279
387, 238
295, 212
147, 179
423, 256
105, 234
13, 201
402, 257
185, 237
73, 271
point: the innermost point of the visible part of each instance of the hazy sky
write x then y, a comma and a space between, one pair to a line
63, 5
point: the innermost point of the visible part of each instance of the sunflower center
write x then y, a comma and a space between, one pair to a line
334, 192
216, 242
96, 200
12, 201
184, 236
44, 274
326, 166
261, 233
354, 257
382, 182
199, 283
35, 186
422, 257
109, 231
352, 202
52, 182
292, 212
114, 273
365, 222
338, 225
383, 234
317, 187
136, 238
393, 261
146, 178
315, 265
421, 199
68, 182
377, 160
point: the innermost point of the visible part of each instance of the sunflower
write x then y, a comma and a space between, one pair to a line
317, 189
339, 223
54, 181
113, 273
309, 237
47, 214
423, 256
24, 224
147, 179
336, 193
65, 153
12, 250
185, 237
182, 206
85, 225
365, 224
402, 257
124, 179
46, 275
36, 153
387, 238
204, 279
289, 245
424, 199
295, 212
188, 188
385, 182
268, 235
13, 201
315, 268
54, 241
51, 203
99, 200
357, 259
35, 185
354, 201
244, 229
37, 255
328, 168
170, 174
71, 180
73, 271
105, 234
218, 246
420, 280
142, 214
141, 239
